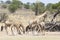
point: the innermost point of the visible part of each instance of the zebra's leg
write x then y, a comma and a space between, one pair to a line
38, 28
21, 27
18, 30
6, 30
1, 28
43, 30
12, 29
28, 28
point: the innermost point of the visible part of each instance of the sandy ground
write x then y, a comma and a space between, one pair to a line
47, 36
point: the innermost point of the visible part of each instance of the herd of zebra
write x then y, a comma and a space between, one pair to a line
35, 25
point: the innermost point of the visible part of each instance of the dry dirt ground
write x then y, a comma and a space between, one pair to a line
47, 36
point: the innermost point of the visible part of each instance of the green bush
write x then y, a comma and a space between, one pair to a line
14, 5
12, 8
4, 6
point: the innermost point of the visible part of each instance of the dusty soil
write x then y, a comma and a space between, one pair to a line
47, 36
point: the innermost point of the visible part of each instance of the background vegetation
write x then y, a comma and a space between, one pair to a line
38, 8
